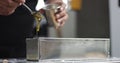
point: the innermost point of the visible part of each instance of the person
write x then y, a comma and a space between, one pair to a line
16, 24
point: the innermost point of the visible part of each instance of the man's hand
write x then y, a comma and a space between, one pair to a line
62, 15
7, 7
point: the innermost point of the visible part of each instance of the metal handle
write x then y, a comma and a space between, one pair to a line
28, 8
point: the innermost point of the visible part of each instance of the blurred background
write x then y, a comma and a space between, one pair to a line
92, 19
87, 19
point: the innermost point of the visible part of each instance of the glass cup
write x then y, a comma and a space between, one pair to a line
50, 10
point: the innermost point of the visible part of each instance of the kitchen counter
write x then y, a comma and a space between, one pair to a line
85, 60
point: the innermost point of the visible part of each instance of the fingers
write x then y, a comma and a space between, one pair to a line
61, 20
7, 7
20, 2
63, 5
62, 15
12, 4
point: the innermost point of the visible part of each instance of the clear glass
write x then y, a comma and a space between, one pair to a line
50, 10
74, 48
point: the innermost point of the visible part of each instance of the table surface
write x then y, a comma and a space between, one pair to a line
85, 60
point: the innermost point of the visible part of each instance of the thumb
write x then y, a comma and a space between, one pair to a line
19, 1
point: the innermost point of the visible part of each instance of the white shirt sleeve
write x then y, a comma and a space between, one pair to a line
40, 4
66, 2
